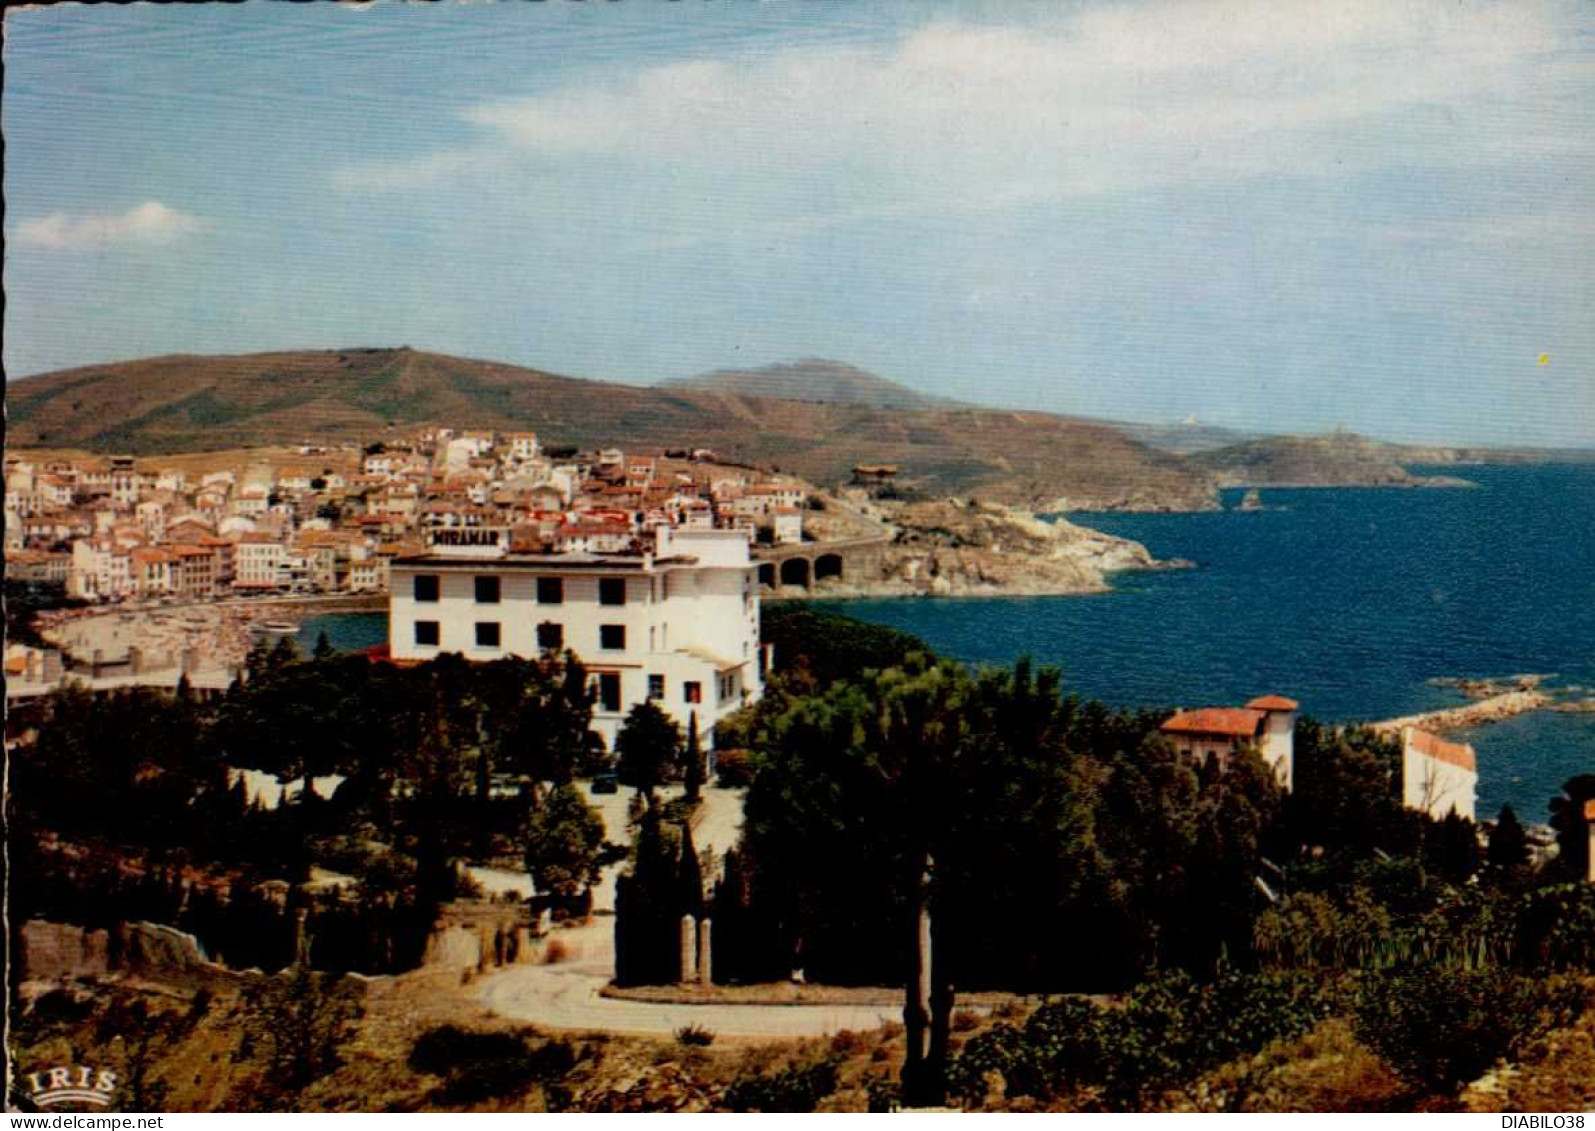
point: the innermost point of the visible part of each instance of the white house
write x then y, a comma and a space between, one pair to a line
678, 624
786, 525
1437, 776
99, 571
258, 562
1267, 724
522, 446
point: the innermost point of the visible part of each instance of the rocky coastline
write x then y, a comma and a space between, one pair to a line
968, 548
1492, 700
1493, 709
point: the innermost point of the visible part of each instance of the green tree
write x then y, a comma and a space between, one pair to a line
694, 768
1509, 843
564, 837
647, 745
1572, 830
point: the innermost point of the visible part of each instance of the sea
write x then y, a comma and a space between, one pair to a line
1353, 601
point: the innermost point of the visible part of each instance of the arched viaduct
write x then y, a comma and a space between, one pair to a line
806, 564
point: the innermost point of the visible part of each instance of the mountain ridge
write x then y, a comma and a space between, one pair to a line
810, 379
184, 402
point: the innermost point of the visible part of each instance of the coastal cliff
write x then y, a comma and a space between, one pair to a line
1336, 460
965, 548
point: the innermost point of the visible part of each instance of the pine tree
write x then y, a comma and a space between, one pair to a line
648, 745
1509, 843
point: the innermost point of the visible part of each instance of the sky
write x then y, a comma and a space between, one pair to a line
1281, 216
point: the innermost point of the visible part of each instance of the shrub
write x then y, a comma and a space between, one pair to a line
1441, 1027
1170, 1029
482, 1066
733, 768
848, 1043
694, 1036
1000, 1050
798, 1088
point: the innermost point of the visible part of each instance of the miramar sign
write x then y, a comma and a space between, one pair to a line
71, 1084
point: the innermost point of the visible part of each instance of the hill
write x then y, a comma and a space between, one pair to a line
188, 403
812, 379
1183, 439
1337, 460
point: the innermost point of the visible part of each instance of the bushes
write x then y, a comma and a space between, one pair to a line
733, 768
1440, 1027
1169, 1030
482, 1066
798, 1088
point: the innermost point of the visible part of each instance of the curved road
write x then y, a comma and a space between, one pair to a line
565, 996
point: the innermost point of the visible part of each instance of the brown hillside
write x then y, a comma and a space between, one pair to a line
186, 403
1338, 459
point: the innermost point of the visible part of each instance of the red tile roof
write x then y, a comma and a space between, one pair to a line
1273, 703
1433, 746
1231, 722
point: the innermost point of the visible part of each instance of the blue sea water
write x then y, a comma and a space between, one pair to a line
1348, 600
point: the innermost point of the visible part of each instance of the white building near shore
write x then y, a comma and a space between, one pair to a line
678, 624
1437, 776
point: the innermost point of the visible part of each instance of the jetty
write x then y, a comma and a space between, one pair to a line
1488, 710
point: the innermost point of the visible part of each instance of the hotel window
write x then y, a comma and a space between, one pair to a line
487, 590
487, 634
550, 590
609, 690
426, 632
692, 691
656, 687
611, 590
426, 587
550, 636
612, 637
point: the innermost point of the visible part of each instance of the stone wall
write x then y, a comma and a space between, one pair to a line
58, 952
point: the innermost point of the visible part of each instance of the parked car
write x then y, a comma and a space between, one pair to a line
606, 783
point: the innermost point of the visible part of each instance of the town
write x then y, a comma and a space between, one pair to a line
198, 560
119, 529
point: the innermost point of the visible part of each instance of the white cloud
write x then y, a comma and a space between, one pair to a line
1116, 97
149, 223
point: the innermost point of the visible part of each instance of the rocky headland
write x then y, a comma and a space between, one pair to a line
966, 548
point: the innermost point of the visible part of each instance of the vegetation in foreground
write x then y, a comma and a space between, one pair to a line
1073, 851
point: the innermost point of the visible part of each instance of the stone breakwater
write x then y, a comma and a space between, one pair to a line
1490, 710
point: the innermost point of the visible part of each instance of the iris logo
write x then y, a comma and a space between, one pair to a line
71, 1084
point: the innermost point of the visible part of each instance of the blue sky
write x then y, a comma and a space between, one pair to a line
1289, 217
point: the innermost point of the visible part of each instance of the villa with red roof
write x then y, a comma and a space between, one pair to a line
1267, 724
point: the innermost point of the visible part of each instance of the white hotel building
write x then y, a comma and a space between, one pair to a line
678, 625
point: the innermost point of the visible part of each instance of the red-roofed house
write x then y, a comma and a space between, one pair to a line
1437, 776
1268, 724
